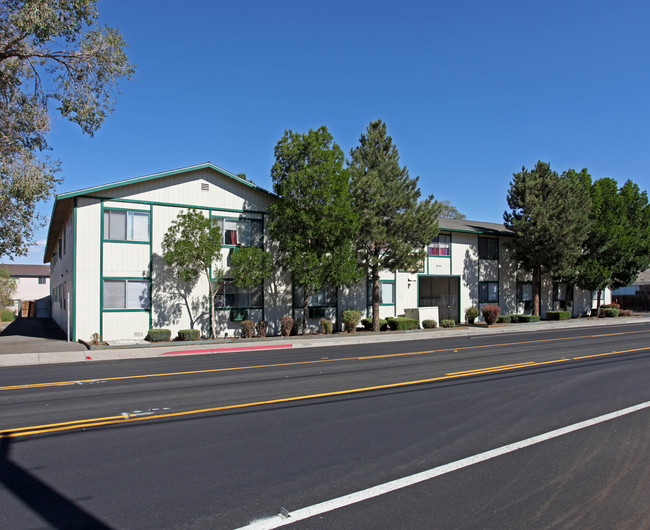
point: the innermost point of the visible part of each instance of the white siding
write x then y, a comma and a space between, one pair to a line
126, 260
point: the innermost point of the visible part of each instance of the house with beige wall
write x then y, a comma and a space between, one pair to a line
108, 278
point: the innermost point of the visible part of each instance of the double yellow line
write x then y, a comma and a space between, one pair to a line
114, 420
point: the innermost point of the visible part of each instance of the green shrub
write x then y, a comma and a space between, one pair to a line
608, 312
247, 328
504, 319
367, 324
7, 315
491, 313
429, 324
610, 306
260, 328
189, 334
286, 325
326, 326
471, 314
447, 323
402, 323
350, 318
527, 318
558, 315
158, 335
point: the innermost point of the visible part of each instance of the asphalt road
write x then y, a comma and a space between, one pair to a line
211, 457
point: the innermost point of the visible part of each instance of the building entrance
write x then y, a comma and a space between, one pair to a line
443, 292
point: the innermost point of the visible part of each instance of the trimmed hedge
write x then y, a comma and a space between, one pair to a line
610, 306
247, 328
504, 319
490, 313
429, 324
326, 326
608, 312
350, 318
471, 314
447, 323
558, 315
367, 324
402, 323
158, 335
189, 334
527, 318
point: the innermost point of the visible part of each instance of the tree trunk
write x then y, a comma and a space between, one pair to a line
599, 293
537, 277
375, 299
213, 323
305, 311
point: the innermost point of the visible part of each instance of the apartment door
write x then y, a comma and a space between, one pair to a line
443, 292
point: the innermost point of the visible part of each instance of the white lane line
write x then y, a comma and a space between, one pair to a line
381, 489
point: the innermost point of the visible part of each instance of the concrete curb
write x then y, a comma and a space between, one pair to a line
273, 343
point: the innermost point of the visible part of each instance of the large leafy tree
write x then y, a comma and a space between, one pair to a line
396, 225
51, 52
550, 220
191, 245
8, 288
618, 245
313, 220
250, 266
449, 211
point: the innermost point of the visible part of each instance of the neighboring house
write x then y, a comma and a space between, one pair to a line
104, 246
32, 285
640, 286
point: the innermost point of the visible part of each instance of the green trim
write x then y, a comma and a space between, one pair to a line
101, 272
451, 250
488, 233
150, 266
117, 209
171, 204
73, 309
498, 292
155, 176
126, 241
131, 278
126, 310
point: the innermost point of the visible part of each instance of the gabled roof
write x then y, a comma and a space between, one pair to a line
27, 271
474, 227
64, 202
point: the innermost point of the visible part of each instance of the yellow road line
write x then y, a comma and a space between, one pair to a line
113, 420
319, 361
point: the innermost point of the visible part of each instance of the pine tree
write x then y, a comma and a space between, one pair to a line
396, 226
550, 219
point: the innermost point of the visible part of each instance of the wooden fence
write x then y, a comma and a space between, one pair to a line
637, 302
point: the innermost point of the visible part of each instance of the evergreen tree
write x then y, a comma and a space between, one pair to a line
618, 245
312, 221
550, 219
396, 226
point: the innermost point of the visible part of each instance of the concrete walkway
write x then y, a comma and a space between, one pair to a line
75, 352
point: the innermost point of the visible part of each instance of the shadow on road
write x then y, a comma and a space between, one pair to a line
38, 328
47, 503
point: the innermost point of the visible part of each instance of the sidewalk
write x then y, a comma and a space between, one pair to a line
139, 351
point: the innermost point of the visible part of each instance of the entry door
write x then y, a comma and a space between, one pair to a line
442, 292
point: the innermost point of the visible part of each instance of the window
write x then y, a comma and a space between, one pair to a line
488, 248
60, 248
126, 294
488, 292
560, 292
386, 293
229, 295
120, 225
42, 280
324, 297
440, 245
524, 292
241, 232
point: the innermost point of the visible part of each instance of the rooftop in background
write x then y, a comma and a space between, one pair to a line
474, 227
27, 271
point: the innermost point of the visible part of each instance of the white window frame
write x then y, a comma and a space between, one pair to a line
129, 225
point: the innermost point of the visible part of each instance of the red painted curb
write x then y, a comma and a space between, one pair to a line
220, 350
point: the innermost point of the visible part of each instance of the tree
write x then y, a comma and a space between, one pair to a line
250, 266
7, 288
313, 221
50, 51
618, 245
550, 220
192, 243
449, 211
396, 226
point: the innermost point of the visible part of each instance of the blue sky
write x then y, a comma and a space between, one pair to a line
470, 90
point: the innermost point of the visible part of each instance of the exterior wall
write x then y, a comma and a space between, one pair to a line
28, 288
62, 276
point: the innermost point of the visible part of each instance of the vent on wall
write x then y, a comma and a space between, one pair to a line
205, 186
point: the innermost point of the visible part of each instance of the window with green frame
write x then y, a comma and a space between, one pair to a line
488, 248
123, 225
488, 292
241, 232
125, 294
230, 296
440, 245
386, 292
326, 296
